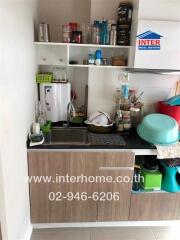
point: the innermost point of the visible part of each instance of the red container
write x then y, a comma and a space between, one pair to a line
172, 111
73, 26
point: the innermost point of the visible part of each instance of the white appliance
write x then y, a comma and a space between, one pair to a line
54, 98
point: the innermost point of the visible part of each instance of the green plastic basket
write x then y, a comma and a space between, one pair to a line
44, 77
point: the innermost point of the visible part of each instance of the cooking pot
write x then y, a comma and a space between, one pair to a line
159, 129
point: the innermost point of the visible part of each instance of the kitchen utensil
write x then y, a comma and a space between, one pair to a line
100, 118
159, 129
172, 111
44, 34
99, 128
86, 100
177, 88
140, 95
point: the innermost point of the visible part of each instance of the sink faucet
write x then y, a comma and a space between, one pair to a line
70, 112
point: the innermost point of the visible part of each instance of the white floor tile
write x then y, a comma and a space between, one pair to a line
61, 235
131, 233
166, 233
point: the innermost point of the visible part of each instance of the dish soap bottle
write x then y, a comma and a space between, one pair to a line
41, 118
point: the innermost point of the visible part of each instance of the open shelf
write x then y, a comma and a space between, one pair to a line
60, 54
143, 191
95, 66
82, 45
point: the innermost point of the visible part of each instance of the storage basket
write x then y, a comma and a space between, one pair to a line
44, 77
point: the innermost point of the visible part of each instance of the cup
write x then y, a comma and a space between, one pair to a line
36, 128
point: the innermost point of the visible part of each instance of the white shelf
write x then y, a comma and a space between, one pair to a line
94, 66
82, 45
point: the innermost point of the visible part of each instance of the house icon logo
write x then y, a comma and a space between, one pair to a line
149, 41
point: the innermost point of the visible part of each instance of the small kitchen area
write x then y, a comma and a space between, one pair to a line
109, 104
98, 153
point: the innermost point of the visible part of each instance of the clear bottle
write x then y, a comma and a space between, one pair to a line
124, 79
119, 121
118, 96
41, 118
96, 32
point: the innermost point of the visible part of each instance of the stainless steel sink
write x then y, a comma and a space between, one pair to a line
70, 136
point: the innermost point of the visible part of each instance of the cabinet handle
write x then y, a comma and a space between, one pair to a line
44, 59
116, 168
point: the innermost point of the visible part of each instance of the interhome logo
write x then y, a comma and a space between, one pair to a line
149, 41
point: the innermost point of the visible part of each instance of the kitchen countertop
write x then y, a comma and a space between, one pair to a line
133, 142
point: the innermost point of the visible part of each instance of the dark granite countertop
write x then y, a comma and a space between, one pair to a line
133, 141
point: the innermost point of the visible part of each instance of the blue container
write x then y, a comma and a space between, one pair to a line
169, 182
159, 129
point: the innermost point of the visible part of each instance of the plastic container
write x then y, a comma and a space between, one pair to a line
159, 129
172, 111
73, 26
96, 33
125, 13
44, 77
170, 177
98, 57
66, 33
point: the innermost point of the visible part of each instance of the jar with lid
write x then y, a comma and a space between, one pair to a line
125, 13
66, 33
76, 37
123, 35
135, 116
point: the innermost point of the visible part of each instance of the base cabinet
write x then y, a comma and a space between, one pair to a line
55, 165
155, 206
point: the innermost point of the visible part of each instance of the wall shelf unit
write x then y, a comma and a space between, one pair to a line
61, 54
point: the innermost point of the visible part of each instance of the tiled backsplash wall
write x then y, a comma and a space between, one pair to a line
103, 84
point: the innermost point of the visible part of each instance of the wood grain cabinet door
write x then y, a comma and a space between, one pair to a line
44, 210
117, 194
155, 206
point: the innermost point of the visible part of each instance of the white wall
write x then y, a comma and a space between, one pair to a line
103, 84
167, 10
59, 12
17, 96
